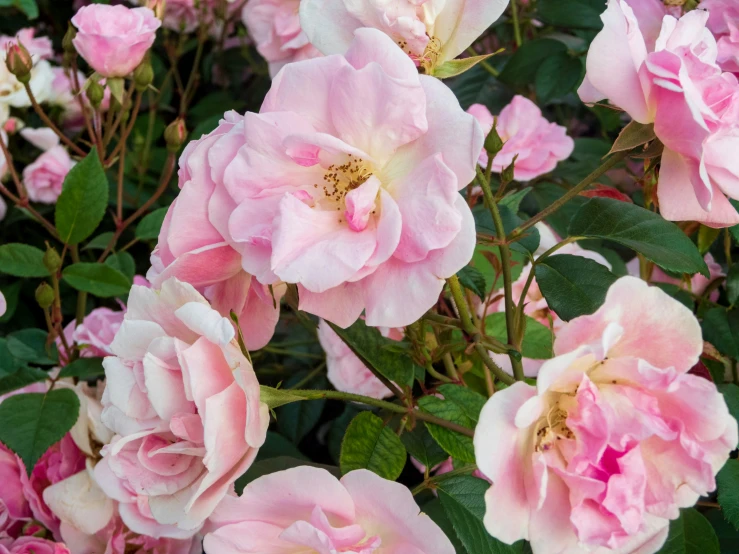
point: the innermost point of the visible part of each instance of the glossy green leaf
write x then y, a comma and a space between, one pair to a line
123, 262
22, 377
97, 279
537, 338
728, 491
578, 14
149, 226
30, 345
369, 444
472, 279
22, 260
691, 533
421, 445
522, 67
557, 76
84, 369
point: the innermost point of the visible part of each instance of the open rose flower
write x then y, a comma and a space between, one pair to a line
275, 27
539, 144
615, 438
723, 21
34, 545
44, 177
184, 402
94, 335
113, 40
306, 509
14, 509
195, 245
346, 372
678, 86
431, 32
347, 184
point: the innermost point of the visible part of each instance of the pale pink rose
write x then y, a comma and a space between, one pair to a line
3, 304
195, 245
34, 545
15, 511
615, 438
347, 184
61, 461
184, 402
677, 85
306, 509
113, 40
94, 335
429, 31
13, 93
697, 283
40, 48
723, 21
44, 177
527, 134
346, 372
275, 27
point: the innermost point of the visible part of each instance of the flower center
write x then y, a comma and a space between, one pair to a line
552, 429
339, 180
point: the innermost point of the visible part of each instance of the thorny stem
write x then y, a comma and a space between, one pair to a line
431, 481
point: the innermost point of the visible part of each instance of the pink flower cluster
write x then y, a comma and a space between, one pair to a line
723, 21
616, 436
665, 71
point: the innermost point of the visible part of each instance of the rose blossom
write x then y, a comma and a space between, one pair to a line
615, 437
113, 40
174, 358
13, 93
697, 283
40, 48
723, 21
94, 335
195, 245
14, 508
34, 545
308, 509
275, 27
431, 32
44, 177
346, 372
347, 185
679, 87
527, 134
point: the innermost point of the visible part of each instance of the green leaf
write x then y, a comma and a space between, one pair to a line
484, 224
273, 465
557, 76
728, 491
338, 429
523, 66
471, 278
83, 201
460, 405
573, 285
97, 279
22, 377
513, 201
421, 445
463, 500
123, 262
721, 329
706, 237
452, 68
8, 363
276, 446
28, 7
732, 284
657, 239
377, 352
29, 345
578, 14
34, 422
369, 444
434, 510
84, 369
537, 338
149, 227
691, 533
100, 242
633, 135
22, 260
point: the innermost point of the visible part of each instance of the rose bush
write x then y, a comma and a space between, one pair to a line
256, 256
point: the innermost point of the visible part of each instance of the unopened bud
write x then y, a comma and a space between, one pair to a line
175, 134
67, 41
493, 142
44, 295
143, 76
52, 261
507, 175
19, 62
95, 94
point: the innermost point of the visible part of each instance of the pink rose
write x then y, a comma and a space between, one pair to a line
195, 245
353, 195
113, 40
95, 333
723, 21
538, 143
275, 27
175, 357
428, 31
346, 372
615, 437
677, 85
34, 545
61, 461
308, 509
14, 508
40, 48
44, 177
697, 284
